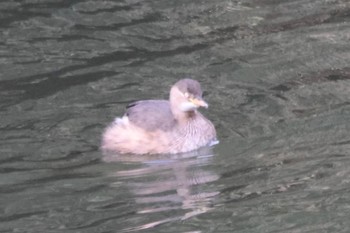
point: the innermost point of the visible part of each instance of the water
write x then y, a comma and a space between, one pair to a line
276, 76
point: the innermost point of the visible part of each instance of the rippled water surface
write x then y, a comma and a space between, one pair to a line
276, 75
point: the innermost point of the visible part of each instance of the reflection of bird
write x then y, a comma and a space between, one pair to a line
166, 188
161, 126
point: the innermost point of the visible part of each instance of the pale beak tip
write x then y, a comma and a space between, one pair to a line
199, 103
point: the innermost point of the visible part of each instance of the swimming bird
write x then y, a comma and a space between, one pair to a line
162, 126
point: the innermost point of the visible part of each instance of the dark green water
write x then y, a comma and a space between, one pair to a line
276, 75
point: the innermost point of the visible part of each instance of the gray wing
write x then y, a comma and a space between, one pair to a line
151, 114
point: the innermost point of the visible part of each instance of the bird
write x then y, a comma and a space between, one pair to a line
162, 126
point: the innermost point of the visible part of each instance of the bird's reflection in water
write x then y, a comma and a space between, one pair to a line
169, 187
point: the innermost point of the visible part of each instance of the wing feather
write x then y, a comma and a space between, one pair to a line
151, 115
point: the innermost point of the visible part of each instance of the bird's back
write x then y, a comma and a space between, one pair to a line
151, 115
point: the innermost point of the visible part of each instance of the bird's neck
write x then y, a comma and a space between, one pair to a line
184, 117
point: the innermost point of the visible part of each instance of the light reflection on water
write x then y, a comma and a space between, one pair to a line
166, 184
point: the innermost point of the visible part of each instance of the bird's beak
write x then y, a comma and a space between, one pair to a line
199, 102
